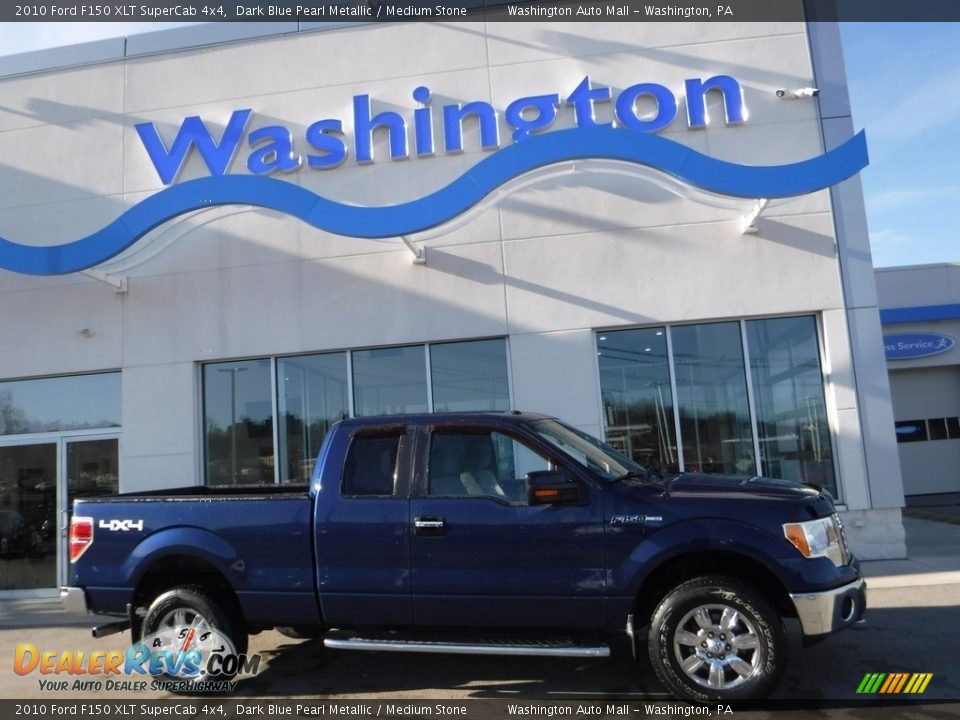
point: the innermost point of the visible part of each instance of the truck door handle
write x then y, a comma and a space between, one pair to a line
426, 526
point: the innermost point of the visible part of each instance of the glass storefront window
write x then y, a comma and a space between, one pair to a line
313, 396
28, 516
789, 400
390, 380
313, 393
712, 399
470, 376
77, 402
637, 400
238, 422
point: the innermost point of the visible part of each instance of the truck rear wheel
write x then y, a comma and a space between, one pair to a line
196, 630
714, 638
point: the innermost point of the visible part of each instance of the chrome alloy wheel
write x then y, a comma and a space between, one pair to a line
717, 647
183, 617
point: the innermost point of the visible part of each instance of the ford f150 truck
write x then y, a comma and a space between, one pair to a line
483, 533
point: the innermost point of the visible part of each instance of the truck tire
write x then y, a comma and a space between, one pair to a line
714, 638
192, 606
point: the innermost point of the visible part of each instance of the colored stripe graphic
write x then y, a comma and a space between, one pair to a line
441, 206
894, 683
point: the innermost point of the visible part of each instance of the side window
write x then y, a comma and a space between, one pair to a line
481, 464
371, 467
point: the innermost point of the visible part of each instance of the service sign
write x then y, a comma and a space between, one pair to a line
915, 345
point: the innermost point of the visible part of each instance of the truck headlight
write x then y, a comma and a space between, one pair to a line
818, 538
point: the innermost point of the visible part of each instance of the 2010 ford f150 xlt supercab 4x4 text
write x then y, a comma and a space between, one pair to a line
503, 533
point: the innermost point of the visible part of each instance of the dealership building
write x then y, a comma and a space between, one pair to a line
921, 324
220, 240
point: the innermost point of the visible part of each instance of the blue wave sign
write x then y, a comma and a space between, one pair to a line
915, 345
273, 153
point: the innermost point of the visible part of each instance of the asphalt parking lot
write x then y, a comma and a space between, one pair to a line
913, 626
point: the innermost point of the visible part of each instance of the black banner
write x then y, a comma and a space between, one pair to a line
483, 10
225, 708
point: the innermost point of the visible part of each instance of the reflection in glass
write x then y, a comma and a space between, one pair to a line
390, 380
788, 396
712, 399
28, 516
313, 396
637, 400
75, 402
470, 376
238, 422
911, 431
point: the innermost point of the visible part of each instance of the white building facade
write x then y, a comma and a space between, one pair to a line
220, 242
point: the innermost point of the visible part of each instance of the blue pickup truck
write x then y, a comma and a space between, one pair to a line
484, 533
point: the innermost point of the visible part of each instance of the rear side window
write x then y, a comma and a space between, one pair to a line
371, 469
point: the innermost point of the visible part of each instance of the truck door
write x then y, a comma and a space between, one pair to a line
482, 556
362, 529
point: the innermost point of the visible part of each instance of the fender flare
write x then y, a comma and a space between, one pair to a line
185, 541
698, 536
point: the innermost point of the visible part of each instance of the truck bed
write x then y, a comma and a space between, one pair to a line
259, 537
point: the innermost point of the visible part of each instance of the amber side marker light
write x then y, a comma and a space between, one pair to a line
796, 535
546, 493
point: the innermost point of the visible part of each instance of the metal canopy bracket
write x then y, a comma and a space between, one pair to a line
748, 222
419, 253
118, 283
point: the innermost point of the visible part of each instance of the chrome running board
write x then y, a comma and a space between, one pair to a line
541, 648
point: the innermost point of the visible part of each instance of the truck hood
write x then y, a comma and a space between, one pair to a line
739, 486
690, 495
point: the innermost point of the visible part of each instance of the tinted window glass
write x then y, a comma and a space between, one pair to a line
77, 402
371, 467
788, 395
313, 396
937, 428
481, 464
953, 428
911, 431
390, 380
712, 399
470, 376
238, 422
637, 401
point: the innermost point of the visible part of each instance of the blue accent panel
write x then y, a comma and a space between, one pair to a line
893, 316
446, 203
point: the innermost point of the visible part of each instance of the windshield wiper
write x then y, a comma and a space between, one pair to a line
642, 473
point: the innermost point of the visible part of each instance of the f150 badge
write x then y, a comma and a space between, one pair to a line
123, 525
635, 519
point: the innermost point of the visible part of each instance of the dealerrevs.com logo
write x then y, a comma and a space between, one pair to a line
178, 659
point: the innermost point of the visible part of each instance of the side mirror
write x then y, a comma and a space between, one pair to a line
551, 487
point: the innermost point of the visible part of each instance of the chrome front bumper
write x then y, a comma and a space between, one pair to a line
74, 600
831, 610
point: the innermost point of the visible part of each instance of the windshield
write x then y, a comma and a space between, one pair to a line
589, 452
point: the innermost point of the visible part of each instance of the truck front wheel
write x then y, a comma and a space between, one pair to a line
714, 638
